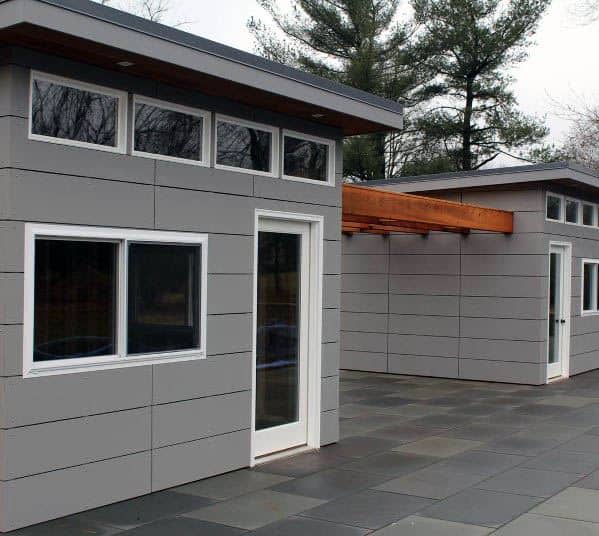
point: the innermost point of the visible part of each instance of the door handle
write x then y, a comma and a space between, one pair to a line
563, 321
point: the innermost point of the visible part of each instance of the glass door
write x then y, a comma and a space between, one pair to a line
559, 310
281, 336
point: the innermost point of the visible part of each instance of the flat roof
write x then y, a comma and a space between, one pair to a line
570, 171
98, 34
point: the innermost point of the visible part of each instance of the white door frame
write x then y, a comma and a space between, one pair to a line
565, 248
314, 324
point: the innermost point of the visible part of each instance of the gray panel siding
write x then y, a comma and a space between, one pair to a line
133, 430
479, 299
76, 489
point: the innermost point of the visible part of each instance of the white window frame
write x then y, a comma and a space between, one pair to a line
595, 298
579, 211
330, 181
122, 98
274, 156
206, 123
562, 212
594, 207
124, 237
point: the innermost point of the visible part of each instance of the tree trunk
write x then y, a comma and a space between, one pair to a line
467, 128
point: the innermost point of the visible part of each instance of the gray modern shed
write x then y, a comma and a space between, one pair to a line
169, 256
519, 308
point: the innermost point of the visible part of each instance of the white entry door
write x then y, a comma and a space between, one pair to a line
282, 335
558, 343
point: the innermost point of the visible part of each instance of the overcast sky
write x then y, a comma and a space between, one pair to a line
563, 66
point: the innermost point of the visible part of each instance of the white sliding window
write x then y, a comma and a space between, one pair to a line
104, 298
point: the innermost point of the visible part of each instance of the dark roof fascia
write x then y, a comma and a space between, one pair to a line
200, 44
492, 177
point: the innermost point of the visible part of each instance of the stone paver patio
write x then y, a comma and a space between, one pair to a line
417, 456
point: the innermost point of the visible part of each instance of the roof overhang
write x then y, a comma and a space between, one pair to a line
373, 210
565, 173
85, 31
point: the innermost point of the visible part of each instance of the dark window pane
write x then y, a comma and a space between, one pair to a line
73, 114
306, 159
163, 298
168, 133
277, 345
572, 211
587, 298
74, 299
554, 207
588, 214
243, 147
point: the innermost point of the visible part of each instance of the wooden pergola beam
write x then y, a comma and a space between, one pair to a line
381, 207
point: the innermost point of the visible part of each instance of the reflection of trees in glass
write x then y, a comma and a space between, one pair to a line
74, 114
166, 132
243, 147
305, 159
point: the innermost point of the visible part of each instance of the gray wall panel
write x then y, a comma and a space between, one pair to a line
364, 264
443, 326
203, 377
332, 257
368, 322
289, 190
230, 254
444, 285
12, 239
508, 329
330, 358
230, 294
35, 499
365, 244
423, 345
505, 265
369, 361
424, 264
446, 367
40, 448
330, 325
495, 307
229, 334
433, 244
363, 342
502, 371
11, 298
424, 305
364, 303
11, 350
498, 350
331, 292
502, 286
532, 200
187, 462
13, 100
329, 393
35, 196
68, 160
50, 398
329, 427
193, 177
365, 283
190, 420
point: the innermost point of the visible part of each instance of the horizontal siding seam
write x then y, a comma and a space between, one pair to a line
154, 449
182, 400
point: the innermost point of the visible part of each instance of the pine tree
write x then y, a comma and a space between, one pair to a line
356, 42
468, 46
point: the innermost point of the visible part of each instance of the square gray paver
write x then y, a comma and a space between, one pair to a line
426, 526
440, 447
134, 512
480, 432
360, 446
255, 510
481, 507
583, 443
182, 526
390, 463
305, 526
572, 503
522, 443
369, 509
302, 464
71, 526
482, 462
562, 460
537, 525
231, 485
332, 484
432, 482
529, 482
